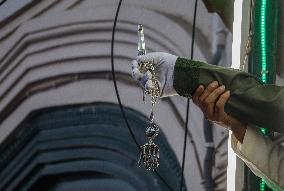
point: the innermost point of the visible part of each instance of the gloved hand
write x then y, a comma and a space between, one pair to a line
164, 64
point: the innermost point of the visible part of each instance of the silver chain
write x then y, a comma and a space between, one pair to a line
149, 152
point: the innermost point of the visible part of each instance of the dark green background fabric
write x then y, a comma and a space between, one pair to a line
250, 101
224, 8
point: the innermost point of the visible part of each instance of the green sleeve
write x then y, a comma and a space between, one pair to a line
224, 8
250, 100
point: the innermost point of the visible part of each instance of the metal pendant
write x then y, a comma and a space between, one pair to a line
149, 156
150, 152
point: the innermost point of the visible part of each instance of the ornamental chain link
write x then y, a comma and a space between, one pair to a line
149, 152
155, 91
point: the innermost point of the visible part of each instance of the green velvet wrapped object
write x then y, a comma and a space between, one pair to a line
250, 100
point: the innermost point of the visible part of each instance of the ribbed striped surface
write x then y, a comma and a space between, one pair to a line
57, 53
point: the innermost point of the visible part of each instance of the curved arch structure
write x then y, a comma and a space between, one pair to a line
84, 146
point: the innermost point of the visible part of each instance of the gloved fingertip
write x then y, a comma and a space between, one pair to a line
149, 85
144, 80
136, 74
149, 74
141, 58
134, 64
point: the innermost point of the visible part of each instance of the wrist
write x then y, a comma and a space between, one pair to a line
168, 89
238, 129
186, 76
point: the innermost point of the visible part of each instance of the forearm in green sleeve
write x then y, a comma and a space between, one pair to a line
250, 101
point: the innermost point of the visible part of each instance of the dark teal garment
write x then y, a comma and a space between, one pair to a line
250, 100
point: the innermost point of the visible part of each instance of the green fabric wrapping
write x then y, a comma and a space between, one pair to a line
250, 100
224, 8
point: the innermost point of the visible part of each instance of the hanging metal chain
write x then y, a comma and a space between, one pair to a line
247, 52
149, 152
248, 47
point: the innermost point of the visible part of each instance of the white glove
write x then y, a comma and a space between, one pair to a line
164, 65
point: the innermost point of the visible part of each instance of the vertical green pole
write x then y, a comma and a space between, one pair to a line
263, 62
263, 41
265, 29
